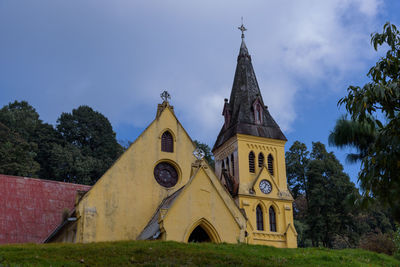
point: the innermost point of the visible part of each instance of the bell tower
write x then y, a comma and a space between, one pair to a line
250, 159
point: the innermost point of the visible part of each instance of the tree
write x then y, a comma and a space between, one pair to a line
70, 165
23, 120
90, 133
367, 106
330, 193
17, 157
296, 164
324, 196
355, 134
207, 151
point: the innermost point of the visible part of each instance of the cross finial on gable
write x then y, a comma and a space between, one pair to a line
165, 96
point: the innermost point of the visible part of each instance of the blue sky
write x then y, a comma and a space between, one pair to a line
118, 56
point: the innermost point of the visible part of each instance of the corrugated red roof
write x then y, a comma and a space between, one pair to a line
30, 209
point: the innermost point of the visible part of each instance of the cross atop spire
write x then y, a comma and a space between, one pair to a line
242, 29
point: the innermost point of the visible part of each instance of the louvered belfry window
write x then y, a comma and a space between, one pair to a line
251, 162
167, 142
271, 164
272, 219
260, 160
259, 217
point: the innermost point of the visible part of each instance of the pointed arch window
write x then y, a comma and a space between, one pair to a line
260, 160
272, 219
271, 164
258, 111
258, 114
259, 218
167, 142
251, 162
233, 165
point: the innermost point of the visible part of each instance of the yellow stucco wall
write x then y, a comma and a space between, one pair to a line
122, 202
258, 145
249, 195
201, 203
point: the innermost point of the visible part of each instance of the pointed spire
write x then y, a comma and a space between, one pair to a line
245, 113
243, 51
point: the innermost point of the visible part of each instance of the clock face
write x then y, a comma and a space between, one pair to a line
165, 174
265, 187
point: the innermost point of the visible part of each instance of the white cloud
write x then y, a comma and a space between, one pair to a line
130, 51
295, 45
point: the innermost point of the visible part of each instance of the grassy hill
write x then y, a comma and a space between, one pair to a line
173, 253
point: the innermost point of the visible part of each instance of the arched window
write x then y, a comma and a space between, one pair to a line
167, 142
233, 165
260, 218
272, 219
260, 160
251, 162
271, 164
258, 114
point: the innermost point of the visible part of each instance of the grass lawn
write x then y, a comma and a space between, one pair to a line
151, 253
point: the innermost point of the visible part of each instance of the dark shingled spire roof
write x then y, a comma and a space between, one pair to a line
245, 92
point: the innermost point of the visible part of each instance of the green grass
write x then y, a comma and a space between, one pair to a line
151, 253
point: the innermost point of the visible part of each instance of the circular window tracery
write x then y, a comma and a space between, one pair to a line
166, 174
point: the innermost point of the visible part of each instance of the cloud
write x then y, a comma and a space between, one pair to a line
119, 56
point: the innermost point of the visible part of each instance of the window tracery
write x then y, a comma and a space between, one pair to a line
167, 142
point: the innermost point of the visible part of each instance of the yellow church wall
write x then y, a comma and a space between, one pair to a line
249, 195
267, 146
122, 202
283, 211
201, 203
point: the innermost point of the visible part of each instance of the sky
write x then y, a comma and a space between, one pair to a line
118, 56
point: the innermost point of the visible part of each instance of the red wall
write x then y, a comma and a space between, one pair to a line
30, 209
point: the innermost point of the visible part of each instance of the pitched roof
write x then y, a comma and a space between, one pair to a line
32, 208
245, 92
152, 229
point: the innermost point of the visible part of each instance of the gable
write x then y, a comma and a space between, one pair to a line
203, 199
123, 201
265, 175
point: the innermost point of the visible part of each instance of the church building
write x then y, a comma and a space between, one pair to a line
162, 188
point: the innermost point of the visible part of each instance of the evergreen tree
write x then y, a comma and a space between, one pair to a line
90, 145
297, 160
23, 120
80, 150
324, 196
17, 157
330, 194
